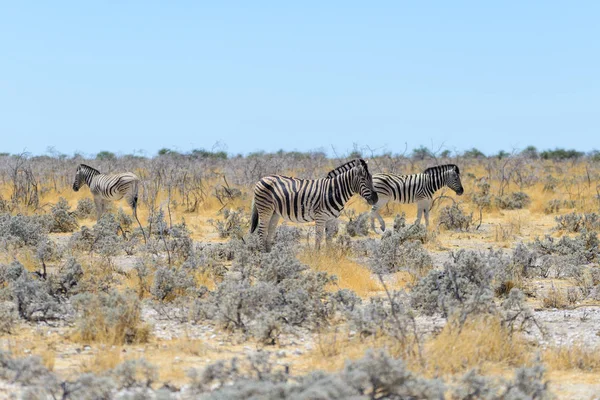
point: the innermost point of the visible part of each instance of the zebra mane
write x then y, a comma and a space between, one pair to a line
87, 167
442, 168
347, 167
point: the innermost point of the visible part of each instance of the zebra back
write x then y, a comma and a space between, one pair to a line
347, 167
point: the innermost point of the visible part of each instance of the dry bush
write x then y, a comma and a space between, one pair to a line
513, 201
453, 218
63, 219
113, 318
555, 298
575, 222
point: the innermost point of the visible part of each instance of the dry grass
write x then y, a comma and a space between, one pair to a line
350, 274
555, 298
106, 358
576, 357
93, 325
480, 342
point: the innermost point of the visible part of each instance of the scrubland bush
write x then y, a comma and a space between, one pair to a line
575, 222
553, 206
85, 208
453, 218
113, 318
103, 238
513, 201
22, 230
233, 224
265, 294
401, 249
376, 374
560, 256
171, 282
63, 220
8, 317
32, 297
464, 287
358, 225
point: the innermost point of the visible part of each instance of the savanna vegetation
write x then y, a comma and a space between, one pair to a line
499, 299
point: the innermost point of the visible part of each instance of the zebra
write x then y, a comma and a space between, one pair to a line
417, 188
307, 200
107, 188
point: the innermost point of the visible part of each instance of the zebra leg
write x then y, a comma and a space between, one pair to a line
328, 233
419, 212
375, 213
264, 221
272, 228
133, 201
99, 207
319, 232
426, 209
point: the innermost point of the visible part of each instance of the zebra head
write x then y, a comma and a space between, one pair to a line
365, 182
83, 176
78, 178
453, 180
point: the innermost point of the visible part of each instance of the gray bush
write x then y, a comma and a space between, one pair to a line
85, 208
33, 299
170, 282
453, 218
265, 294
67, 279
102, 239
358, 225
63, 219
22, 230
513, 201
553, 206
376, 375
575, 222
465, 286
233, 224
398, 251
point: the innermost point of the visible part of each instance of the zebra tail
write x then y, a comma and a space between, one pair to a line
254, 218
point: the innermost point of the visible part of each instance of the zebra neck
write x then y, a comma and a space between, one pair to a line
437, 181
89, 175
344, 184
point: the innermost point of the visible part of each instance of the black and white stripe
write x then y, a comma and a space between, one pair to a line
107, 188
306, 200
416, 188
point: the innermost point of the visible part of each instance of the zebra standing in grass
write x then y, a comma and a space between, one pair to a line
417, 188
306, 200
107, 188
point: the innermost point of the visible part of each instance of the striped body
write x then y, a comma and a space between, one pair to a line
107, 188
307, 200
416, 188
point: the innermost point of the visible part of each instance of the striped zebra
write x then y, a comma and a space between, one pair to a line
107, 188
417, 188
307, 200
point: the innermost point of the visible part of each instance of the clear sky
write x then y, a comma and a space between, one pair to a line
125, 76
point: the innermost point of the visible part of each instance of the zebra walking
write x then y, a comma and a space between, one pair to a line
307, 200
107, 188
417, 188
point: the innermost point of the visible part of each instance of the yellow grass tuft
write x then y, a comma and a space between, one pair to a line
350, 274
103, 360
577, 357
481, 341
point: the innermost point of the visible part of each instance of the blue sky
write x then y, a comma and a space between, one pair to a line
131, 76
